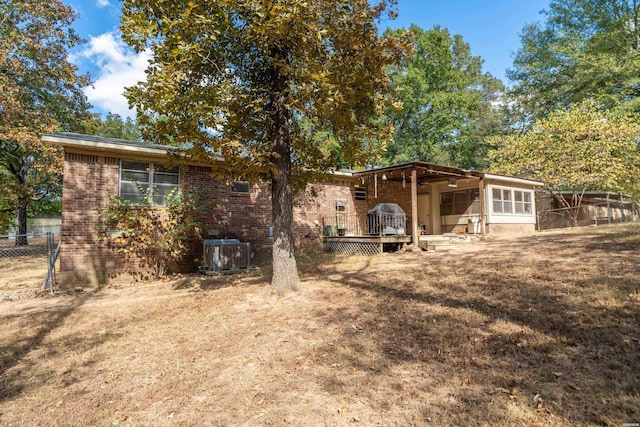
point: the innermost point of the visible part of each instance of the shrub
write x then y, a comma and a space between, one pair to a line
155, 236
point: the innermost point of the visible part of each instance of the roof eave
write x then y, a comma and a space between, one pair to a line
105, 146
510, 179
93, 145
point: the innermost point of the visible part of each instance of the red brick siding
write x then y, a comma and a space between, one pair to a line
390, 192
322, 206
88, 181
318, 203
243, 216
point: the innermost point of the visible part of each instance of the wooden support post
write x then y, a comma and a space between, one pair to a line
483, 207
375, 185
414, 208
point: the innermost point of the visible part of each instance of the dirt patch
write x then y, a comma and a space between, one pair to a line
538, 330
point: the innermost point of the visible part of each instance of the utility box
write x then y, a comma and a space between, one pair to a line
225, 254
473, 225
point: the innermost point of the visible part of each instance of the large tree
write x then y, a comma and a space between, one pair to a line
255, 81
584, 148
585, 49
446, 102
41, 92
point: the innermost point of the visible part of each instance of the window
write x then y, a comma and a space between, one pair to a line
240, 187
522, 202
460, 202
360, 192
341, 213
137, 177
506, 200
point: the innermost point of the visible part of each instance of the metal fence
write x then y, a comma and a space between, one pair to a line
23, 250
379, 224
611, 212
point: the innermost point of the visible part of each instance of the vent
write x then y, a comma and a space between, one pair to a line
226, 254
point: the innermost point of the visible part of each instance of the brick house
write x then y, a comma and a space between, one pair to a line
436, 200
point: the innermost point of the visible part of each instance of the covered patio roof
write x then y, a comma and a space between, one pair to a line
418, 173
429, 172
425, 172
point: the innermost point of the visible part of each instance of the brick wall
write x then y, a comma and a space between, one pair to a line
322, 206
243, 216
88, 180
318, 203
390, 192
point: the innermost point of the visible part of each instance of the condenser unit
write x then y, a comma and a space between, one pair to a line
226, 254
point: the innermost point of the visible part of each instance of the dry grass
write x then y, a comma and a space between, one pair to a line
22, 273
535, 331
22, 268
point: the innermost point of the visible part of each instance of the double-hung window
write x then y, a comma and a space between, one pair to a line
136, 178
522, 202
509, 201
502, 200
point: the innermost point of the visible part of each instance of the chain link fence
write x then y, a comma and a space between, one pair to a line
27, 263
611, 212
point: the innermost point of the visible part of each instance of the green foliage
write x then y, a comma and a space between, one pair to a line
586, 49
237, 77
445, 99
579, 149
156, 236
41, 92
114, 127
215, 66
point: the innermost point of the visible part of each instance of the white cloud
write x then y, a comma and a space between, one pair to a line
102, 3
118, 67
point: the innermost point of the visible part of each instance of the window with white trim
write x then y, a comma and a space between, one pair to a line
510, 201
137, 177
522, 202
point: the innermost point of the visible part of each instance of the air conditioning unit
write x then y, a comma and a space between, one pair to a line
226, 254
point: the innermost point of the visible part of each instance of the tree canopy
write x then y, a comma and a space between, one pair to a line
41, 92
257, 81
446, 101
586, 49
578, 149
114, 126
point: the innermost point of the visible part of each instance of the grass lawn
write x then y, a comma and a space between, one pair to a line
540, 330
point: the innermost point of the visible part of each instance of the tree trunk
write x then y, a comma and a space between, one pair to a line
285, 271
573, 216
21, 231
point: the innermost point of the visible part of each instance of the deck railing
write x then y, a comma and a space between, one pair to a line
380, 224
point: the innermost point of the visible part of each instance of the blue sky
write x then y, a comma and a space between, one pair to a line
491, 27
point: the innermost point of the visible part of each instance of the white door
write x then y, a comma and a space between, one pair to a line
424, 217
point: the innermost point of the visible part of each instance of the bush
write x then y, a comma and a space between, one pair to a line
156, 236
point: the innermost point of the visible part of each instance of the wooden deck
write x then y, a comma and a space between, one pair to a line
361, 245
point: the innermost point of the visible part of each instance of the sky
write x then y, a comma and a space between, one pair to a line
490, 27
